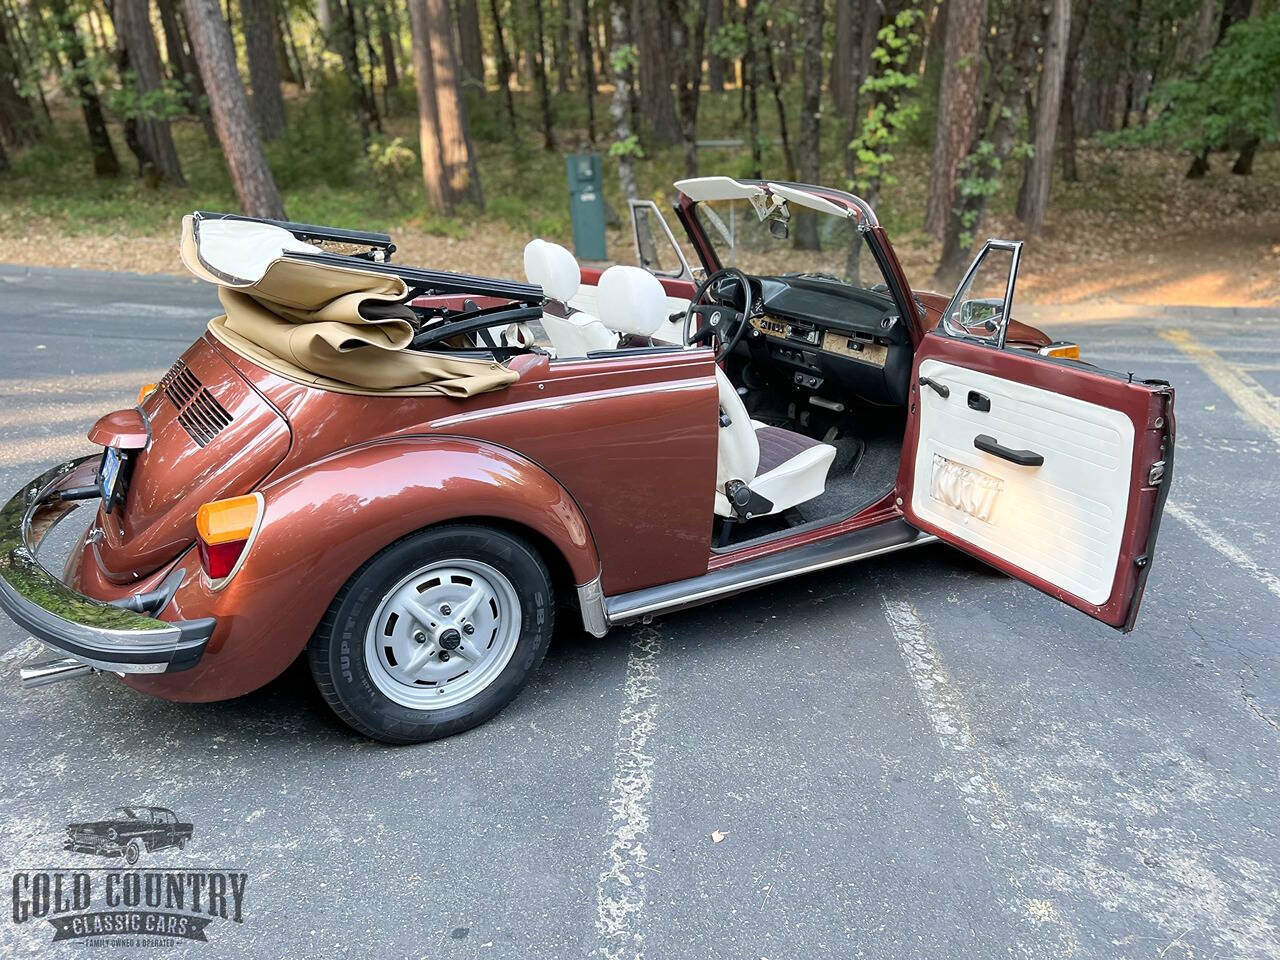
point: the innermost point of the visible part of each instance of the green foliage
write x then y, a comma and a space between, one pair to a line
630, 147
167, 103
389, 163
1232, 98
887, 87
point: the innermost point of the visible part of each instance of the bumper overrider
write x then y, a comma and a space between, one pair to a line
94, 634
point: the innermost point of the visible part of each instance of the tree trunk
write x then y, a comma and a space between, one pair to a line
133, 24
22, 53
620, 105
957, 106
433, 178
289, 73
842, 56
561, 48
4, 160
715, 62
586, 65
105, 161
689, 41
1012, 55
1048, 103
470, 44
1205, 30
324, 19
182, 65
264, 71
654, 55
775, 87
461, 179
751, 74
241, 145
364, 30
1244, 163
504, 67
865, 30
805, 234
344, 37
540, 76
389, 53
17, 119
1079, 21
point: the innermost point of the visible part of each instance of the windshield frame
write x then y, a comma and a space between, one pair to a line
877, 241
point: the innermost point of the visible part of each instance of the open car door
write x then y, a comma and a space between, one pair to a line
1051, 470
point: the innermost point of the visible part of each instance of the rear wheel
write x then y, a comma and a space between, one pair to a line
434, 635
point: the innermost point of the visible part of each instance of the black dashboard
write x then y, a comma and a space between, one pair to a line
821, 336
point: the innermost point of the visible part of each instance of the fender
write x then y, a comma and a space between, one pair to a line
317, 530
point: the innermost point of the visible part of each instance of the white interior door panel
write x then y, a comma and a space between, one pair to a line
1062, 521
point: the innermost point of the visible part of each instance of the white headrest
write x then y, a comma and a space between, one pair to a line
553, 268
631, 300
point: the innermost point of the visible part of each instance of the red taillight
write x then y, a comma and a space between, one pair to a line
224, 529
219, 559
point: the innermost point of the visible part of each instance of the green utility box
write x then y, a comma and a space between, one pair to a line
586, 205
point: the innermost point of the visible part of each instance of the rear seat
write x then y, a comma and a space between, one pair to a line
573, 332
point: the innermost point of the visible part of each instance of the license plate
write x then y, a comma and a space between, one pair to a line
109, 476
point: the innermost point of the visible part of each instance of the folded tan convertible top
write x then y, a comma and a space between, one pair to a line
336, 327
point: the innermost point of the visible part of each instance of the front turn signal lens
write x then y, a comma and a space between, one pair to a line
1060, 348
146, 390
224, 529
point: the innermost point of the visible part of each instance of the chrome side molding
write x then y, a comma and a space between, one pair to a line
846, 548
53, 671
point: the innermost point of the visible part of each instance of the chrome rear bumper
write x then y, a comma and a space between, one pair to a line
95, 634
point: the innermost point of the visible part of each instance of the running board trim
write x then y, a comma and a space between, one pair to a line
847, 548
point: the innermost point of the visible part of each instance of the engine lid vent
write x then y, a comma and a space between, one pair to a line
199, 413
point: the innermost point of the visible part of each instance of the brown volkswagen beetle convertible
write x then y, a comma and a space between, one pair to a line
410, 474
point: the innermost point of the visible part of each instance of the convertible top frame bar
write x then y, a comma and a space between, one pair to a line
313, 233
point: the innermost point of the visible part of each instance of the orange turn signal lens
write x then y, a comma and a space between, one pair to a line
146, 390
1060, 348
223, 521
224, 528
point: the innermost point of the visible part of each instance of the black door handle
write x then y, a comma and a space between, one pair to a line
979, 401
1024, 458
941, 388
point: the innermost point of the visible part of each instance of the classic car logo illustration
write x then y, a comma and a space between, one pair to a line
129, 832
127, 905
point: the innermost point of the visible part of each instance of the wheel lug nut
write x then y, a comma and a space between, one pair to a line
419, 637
468, 629
445, 609
444, 656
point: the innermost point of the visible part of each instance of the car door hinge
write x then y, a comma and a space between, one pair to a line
1155, 474
1141, 561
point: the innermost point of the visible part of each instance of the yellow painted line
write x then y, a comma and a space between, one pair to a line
1245, 392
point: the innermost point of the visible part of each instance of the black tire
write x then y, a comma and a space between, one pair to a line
336, 652
133, 852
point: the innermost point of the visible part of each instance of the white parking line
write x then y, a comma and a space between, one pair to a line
620, 891
1225, 547
915, 643
1245, 392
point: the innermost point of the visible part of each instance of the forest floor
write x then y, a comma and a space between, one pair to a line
1132, 230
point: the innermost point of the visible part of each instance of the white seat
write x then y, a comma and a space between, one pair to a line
631, 301
573, 333
779, 466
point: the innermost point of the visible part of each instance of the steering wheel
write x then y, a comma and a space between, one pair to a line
716, 323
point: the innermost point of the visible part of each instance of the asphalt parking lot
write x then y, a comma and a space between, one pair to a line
914, 757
